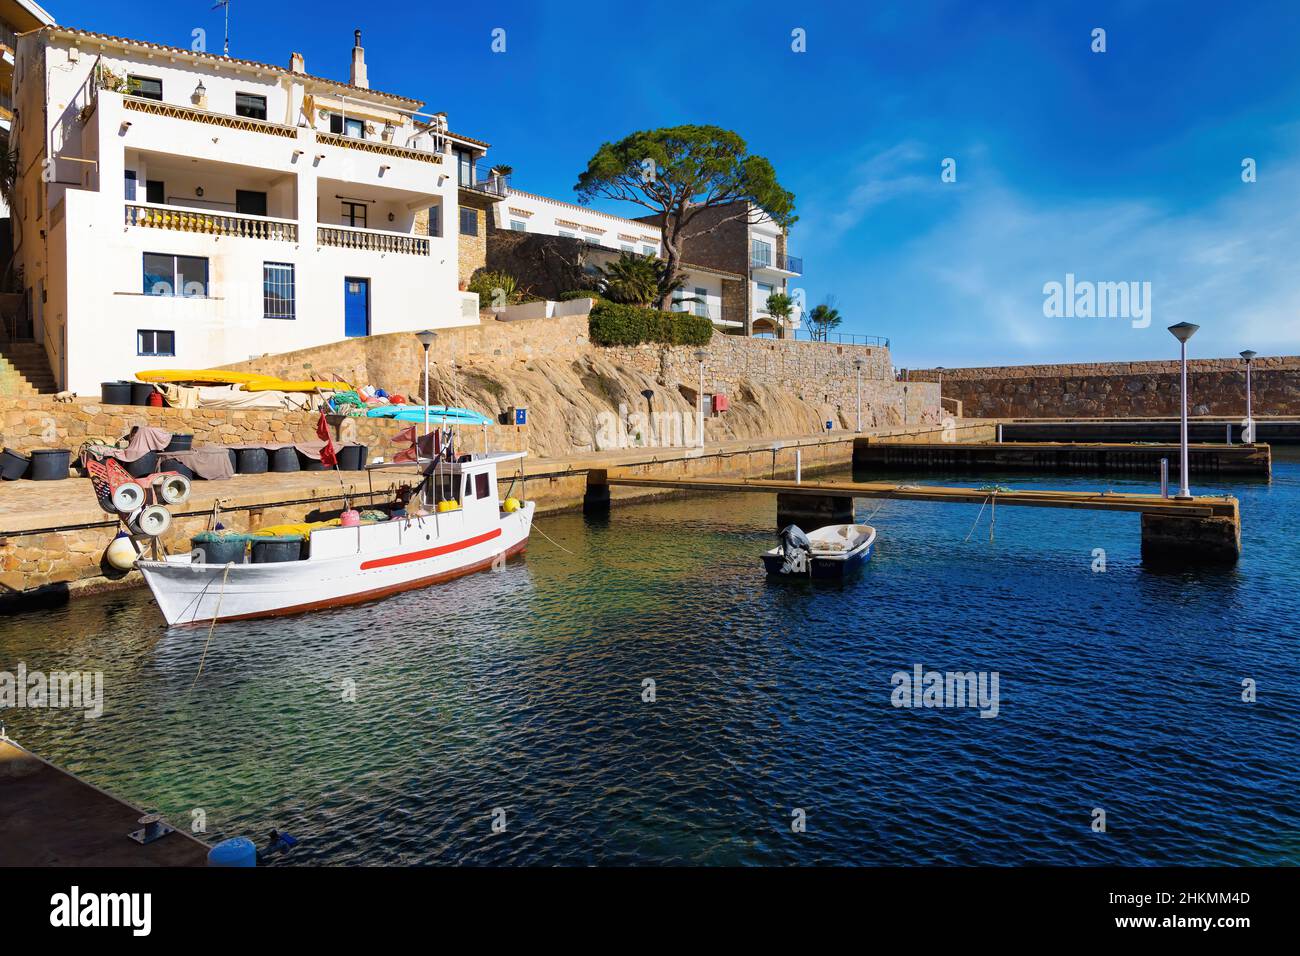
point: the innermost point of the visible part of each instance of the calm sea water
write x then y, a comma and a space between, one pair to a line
522, 690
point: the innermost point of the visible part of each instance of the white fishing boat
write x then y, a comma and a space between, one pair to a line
829, 552
468, 528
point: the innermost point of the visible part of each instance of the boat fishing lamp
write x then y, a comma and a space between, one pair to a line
426, 339
1183, 331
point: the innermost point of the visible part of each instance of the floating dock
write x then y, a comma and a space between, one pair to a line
49, 817
1182, 531
1094, 457
1275, 431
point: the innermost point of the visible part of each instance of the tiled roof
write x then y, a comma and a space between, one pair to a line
73, 33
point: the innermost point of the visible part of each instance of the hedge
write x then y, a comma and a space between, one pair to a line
612, 324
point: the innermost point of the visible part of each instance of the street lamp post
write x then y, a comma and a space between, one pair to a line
1249, 437
700, 356
1182, 332
426, 339
858, 363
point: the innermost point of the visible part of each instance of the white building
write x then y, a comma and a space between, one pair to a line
707, 290
184, 209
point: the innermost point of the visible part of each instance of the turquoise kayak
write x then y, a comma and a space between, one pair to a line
437, 413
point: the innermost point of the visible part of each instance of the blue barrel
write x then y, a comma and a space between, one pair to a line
167, 463
115, 393
221, 547
13, 464
251, 461
272, 549
50, 464
307, 463
146, 464
237, 851
140, 392
285, 459
180, 443
352, 457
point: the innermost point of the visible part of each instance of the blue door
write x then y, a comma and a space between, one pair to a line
356, 306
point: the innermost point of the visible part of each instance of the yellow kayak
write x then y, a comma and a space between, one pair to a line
201, 377
276, 385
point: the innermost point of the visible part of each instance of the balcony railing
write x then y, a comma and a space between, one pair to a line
372, 240
181, 219
842, 338
156, 108
493, 186
378, 146
776, 260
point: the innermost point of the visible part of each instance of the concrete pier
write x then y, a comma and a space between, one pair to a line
1170, 540
1094, 457
813, 511
1275, 431
49, 817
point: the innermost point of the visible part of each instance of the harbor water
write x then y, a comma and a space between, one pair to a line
634, 690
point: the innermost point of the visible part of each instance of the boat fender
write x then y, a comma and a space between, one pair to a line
444, 506
237, 851
350, 519
121, 553
511, 505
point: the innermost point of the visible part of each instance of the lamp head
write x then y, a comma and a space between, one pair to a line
1183, 331
1248, 354
701, 355
426, 338
859, 361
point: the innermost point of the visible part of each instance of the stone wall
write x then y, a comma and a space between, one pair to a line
1122, 389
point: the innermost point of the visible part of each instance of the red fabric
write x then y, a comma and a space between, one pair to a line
407, 437
327, 456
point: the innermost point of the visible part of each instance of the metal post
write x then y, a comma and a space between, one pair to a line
1248, 436
700, 356
798, 466
1184, 491
1164, 477
1228, 439
859, 398
999, 433
426, 391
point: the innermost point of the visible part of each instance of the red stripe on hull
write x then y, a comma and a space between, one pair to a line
363, 597
430, 552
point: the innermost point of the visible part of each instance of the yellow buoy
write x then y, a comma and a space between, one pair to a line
448, 506
121, 553
511, 505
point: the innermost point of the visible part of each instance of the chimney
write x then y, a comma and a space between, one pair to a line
296, 63
358, 77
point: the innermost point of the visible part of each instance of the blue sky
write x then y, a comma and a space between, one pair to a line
1122, 166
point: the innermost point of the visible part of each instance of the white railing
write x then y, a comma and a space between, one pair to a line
372, 240
208, 222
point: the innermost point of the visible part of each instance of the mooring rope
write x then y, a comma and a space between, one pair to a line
552, 540
215, 614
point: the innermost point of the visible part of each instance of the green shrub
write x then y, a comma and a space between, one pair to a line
579, 294
487, 283
614, 324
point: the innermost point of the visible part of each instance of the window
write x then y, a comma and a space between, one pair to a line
155, 342
347, 125
701, 302
131, 183
155, 191
518, 225
626, 248
250, 203
354, 214
764, 290
250, 105
175, 275
469, 487
468, 222
435, 221
568, 234
277, 290
481, 485
464, 166
145, 87
649, 251
760, 253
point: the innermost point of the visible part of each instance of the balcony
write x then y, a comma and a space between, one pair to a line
371, 240
492, 186
777, 262
377, 146
207, 222
193, 114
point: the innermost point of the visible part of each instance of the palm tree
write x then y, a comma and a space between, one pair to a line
633, 279
823, 318
779, 307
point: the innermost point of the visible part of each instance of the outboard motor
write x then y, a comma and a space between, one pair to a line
797, 550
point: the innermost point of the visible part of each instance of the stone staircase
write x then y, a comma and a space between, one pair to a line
25, 371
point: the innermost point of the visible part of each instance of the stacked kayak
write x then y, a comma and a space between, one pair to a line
437, 413
250, 381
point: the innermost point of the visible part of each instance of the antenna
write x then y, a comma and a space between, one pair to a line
225, 3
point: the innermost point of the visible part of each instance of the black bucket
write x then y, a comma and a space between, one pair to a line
285, 459
171, 464
352, 457
221, 547
307, 463
270, 550
146, 464
140, 392
251, 461
50, 464
180, 443
115, 393
13, 464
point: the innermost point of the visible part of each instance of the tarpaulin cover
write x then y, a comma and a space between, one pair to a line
211, 462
